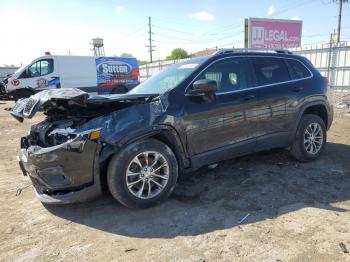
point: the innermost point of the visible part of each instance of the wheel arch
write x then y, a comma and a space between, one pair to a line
173, 141
164, 133
318, 108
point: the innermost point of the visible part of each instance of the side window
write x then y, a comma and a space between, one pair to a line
41, 68
229, 75
269, 70
34, 70
298, 70
46, 67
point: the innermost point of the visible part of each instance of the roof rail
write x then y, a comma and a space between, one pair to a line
256, 50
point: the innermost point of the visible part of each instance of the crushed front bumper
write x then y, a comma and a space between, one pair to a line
62, 174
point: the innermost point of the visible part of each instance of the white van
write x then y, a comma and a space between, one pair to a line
103, 75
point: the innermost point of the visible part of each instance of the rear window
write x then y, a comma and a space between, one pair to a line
298, 70
269, 70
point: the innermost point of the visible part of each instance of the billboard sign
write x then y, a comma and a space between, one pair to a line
273, 33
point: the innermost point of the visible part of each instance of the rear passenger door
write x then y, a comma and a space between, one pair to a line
278, 94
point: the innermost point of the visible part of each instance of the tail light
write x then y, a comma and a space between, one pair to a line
135, 73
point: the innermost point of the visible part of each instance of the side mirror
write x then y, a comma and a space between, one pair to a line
203, 87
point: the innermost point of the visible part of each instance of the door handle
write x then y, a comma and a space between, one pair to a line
298, 88
249, 97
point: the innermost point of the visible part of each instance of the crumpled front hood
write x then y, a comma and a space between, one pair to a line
74, 102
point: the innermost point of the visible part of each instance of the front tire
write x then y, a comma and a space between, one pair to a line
143, 174
310, 139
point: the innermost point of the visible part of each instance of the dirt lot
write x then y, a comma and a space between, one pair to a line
298, 212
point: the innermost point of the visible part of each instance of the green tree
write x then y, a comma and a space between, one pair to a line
142, 62
177, 53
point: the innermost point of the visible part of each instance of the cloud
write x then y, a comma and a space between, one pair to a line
199, 34
296, 18
119, 8
271, 10
202, 16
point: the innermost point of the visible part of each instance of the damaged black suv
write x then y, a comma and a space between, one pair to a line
192, 114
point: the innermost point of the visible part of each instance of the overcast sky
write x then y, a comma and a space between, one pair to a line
31, 27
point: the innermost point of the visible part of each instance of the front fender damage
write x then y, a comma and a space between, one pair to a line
62, 161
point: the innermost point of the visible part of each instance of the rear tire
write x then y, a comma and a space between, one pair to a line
137, 181
310, 139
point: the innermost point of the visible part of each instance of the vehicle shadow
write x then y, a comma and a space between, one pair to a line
264, 185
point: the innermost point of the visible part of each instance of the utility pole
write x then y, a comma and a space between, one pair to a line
150, 46
339, 17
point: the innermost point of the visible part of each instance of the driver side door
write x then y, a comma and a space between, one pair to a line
41, 75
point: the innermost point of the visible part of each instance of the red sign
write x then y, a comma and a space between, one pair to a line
15, 82
274, 33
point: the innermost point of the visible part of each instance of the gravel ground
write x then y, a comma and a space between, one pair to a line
297, 211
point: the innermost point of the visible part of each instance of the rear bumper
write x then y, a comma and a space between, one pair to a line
63, 174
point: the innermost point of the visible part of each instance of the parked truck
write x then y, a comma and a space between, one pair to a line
102, 75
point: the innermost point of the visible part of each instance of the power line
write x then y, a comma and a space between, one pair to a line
208, 32
173, 30
177, 23
314, 35
225, 32
295, 5
174, 37
221, 28
198, 41
203, 38
137, 30
220, 31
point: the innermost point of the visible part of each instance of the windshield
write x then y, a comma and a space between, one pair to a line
169, 78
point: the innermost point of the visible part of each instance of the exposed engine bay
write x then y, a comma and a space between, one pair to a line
67, 110
48, 133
